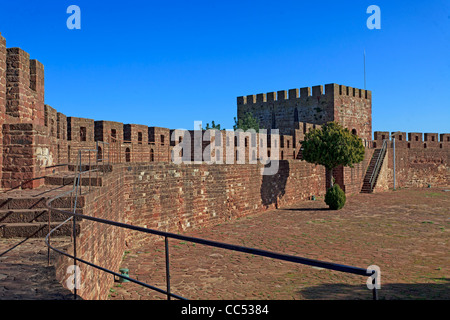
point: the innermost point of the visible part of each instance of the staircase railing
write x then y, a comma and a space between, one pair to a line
74, 193
377, 167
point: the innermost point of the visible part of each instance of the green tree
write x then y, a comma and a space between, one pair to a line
212, 126
332, 146
247, 122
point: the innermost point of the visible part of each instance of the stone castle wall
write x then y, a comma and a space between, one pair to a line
421, 159
176, 198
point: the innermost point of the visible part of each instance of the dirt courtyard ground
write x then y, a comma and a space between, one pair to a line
404, 232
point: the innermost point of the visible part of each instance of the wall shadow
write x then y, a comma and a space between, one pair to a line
32, 282
273, 187
389, 291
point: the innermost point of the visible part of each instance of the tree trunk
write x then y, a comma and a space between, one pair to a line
330, 177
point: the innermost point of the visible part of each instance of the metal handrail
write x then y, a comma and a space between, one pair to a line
167, 235
378, 164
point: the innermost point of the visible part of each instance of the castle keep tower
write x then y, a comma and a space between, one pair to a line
283, 110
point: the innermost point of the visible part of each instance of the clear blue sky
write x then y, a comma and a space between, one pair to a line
169, 63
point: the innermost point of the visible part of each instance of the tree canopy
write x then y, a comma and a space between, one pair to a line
212, 126
247, 122
332, 146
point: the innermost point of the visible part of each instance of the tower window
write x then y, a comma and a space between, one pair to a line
83, 134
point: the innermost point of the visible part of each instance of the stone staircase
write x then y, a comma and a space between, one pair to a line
366, 188
23, 213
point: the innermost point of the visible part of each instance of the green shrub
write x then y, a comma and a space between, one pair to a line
335, 198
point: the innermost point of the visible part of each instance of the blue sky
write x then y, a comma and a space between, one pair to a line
170, 63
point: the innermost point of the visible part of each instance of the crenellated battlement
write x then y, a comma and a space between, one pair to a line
352, 107
305, 93
20, 69
24, 85
413, 139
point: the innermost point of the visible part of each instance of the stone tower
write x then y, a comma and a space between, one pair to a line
283, 110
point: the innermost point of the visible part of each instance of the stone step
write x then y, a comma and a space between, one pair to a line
67, 180
36, 198
367, 180
23, 212
35, 230
32, 215
366, 188
100, 167
18, 202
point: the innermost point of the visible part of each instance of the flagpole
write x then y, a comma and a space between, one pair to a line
364, 69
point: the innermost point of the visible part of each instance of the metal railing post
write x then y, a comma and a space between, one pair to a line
166, 243
74, 230
49, 229
374, 290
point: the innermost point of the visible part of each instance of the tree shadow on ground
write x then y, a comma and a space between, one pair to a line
307, 209
389, 291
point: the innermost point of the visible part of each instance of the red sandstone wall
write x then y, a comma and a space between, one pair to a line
172, 197
353, 110
29, 142
99, 243
419, 167
2, 98
421, 159
283, 109
351, 179
351, 107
